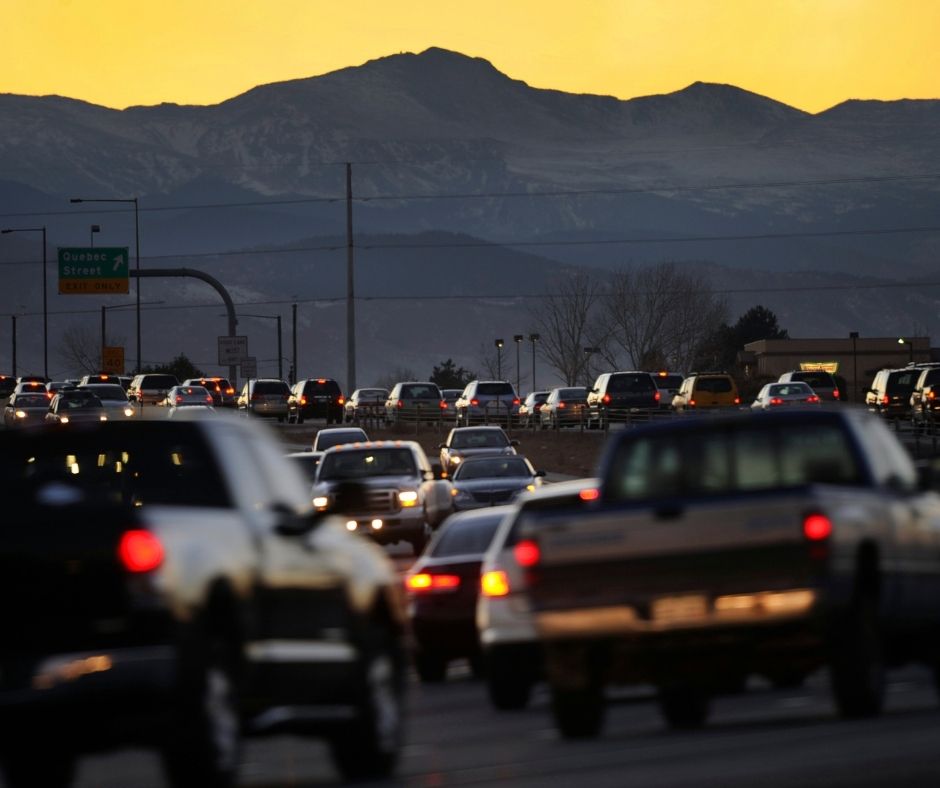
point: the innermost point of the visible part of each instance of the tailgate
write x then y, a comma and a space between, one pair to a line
666, 563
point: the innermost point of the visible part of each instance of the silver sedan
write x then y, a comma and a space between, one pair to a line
488, 481
794, 394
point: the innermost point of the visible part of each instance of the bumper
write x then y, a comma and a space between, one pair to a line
395, 526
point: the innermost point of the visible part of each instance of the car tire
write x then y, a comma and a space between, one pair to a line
579, 713
32, 764
205, 738
683, 707
430, 666
369, 748
857, 668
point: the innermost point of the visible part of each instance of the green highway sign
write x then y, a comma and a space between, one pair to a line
100, 270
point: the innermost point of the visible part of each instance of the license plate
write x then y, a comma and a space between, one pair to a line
691, 607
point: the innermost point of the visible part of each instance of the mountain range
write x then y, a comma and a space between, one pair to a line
472, 192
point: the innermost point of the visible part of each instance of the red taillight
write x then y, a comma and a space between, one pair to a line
442, 405
814, 399
691, 403
179, 399
885, 400
140, 551
817, 527
517, 401
589, 494
303, 399
561, 405
340, 400
209, 398
606, 399
835, 393
494, 583
401, 404
737, 400
425, 582
527, 553
776, 401
931, 394
474, 402
229, 391
656, 396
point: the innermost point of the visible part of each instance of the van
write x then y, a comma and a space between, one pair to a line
890, 392
706, 390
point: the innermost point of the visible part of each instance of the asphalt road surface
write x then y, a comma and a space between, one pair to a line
759, 738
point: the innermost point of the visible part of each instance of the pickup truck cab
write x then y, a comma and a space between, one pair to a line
772, 543
174, 589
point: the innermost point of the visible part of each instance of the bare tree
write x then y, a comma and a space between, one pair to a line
659, 313
564, 322
397, 375
80, 348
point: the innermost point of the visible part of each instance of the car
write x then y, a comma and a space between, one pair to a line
113, 398
442, 587
223, 394
621, 396
668, 384
267, 397
366, 405
336, 436
29, 387
26, 409
488, 401
194, 400
925, 397
415, 401
706, 390
55, 386
890, 392
450, 397
486, 481
32, 379
530, 407
307, 461
820, 381
464, 442
384, 489
786, 395
508, 638
99, 378
200, 601
563, 408
318, 398
7, 384
73, 406
150, 388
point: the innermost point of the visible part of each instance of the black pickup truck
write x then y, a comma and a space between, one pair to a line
168, 585
719, 548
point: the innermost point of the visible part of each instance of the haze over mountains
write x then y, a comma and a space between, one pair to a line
489, 188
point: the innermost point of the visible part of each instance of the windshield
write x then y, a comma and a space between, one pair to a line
822, 380
790, 390
495, 390
620, 384
77, 402
493, 468
713, 385
325, 440
571, 395
107, 391
420, 391
467, 537
366, 463
478, 439
31, 401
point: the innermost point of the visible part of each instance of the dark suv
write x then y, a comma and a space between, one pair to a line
616, 396
319, 398
890, 392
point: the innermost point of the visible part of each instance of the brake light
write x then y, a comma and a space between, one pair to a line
884, 399
561, 405
340, 400
931, 394
140, 551
776, 401
814, 399
179, 398
527, 553
209, 398
517, 401
474, 402
817, 527
426, 582
691, 403
606, 399
589, 494
494, 583
835, 393
443, 405
303, 399
321, 381
656, 396
229, 391
401, 404
737, 400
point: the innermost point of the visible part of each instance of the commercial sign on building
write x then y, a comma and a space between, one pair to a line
100, 271
832, 367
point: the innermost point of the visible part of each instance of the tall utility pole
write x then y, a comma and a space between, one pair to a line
45, 298
518, 339
13, 318
350, 289
295, 374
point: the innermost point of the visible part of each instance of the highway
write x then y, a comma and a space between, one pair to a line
759, 738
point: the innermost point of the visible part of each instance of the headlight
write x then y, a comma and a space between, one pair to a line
321, 502
102, 417
530, 487
408, 498
21, 414
454, 459
462, 495
128, 412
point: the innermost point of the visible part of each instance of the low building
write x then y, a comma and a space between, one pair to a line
854, 360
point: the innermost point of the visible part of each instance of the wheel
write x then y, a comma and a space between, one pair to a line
857, 664
508, 683
204, 738
32, 764
579, 713
431, 667
684, 708
369, 747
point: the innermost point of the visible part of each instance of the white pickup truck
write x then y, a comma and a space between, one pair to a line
718, 548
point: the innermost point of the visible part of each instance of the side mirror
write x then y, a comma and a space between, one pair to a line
514, 444
540, 473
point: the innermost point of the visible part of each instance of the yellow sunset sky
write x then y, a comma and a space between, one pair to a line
811, 54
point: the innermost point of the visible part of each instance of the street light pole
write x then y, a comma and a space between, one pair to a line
853, 335
104, 341
136, 253
45, 297
13, 318
518, 339
533, 338
910, 346
499, 359
280, 366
